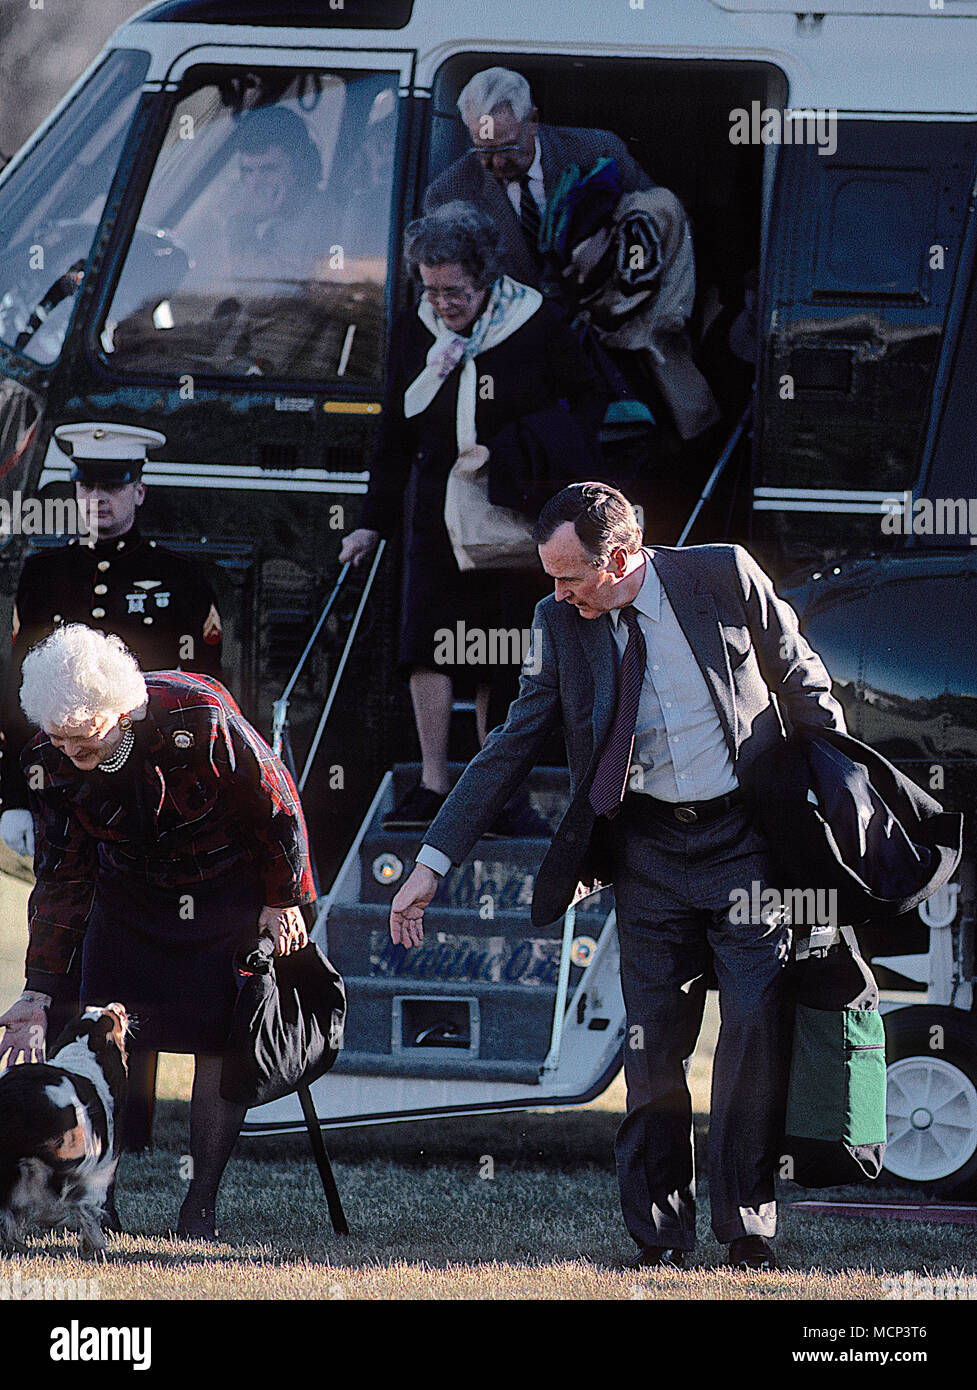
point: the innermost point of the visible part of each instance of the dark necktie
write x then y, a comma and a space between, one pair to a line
529, 216
610, 779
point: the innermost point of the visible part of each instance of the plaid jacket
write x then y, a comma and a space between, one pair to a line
209, 794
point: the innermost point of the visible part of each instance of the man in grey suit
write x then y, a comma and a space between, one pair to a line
514, 162
669, 671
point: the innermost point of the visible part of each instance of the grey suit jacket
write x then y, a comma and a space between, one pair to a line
755, 661
559, 147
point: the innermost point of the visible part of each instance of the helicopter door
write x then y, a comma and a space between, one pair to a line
854, 328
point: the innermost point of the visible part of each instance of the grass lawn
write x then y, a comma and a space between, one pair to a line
426, 1224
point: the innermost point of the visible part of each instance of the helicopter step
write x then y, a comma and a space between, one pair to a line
476, 998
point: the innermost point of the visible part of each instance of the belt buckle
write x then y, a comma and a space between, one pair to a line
686, 815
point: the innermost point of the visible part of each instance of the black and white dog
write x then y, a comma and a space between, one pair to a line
61, 1130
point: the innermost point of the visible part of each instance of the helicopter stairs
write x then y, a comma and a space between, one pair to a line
476, 998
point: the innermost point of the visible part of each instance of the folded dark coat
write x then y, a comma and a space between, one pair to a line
839, 816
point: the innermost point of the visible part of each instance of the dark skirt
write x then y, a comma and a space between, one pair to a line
439, 599
173, 972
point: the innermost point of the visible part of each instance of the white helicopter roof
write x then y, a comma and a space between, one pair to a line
879, 58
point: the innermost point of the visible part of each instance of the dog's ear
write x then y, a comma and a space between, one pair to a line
69, 1145
116, 1012
113, 1029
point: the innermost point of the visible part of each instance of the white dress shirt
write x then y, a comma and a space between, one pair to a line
680, 752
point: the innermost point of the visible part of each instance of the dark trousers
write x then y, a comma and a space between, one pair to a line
677, 910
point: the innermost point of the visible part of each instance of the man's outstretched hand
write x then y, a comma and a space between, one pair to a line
407, 908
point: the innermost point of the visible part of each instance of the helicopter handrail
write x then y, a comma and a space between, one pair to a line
280, 742
552, 1059
347, 648
713, 479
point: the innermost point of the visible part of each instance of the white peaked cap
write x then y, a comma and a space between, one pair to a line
100, 441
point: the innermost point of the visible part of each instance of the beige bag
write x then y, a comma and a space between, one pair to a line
483, 536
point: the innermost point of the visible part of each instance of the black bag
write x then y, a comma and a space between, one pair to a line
835, 1122
287, 1025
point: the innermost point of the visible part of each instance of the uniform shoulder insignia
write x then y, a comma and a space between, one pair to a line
212, 626
183, 738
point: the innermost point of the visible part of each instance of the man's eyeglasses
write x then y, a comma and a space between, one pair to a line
487, 151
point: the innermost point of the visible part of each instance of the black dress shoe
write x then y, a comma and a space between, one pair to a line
752, 1252
415, 811
657, 1257
196, 1222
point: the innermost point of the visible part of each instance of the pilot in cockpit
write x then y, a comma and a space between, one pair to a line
277, 232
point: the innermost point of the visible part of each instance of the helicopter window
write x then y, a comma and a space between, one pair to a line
53, 204
261, 246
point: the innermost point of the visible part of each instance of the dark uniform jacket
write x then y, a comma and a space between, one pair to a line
160, 604
207, 795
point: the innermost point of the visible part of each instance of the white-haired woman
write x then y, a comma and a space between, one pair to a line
167, 833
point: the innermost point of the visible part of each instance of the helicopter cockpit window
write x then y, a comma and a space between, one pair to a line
261, 246
53, 203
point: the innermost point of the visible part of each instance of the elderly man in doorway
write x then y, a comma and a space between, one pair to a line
668, 670
515, 160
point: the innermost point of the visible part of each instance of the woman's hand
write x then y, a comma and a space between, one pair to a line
285, 926
357, 545
25, 1027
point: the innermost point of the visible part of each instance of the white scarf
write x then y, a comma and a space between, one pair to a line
510, 305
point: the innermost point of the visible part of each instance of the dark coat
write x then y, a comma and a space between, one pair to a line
534, 457
870, 833
536, 367
559, 147
209, 801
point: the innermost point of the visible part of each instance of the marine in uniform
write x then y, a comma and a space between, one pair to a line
161, 604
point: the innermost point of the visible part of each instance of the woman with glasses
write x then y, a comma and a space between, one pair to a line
478, 353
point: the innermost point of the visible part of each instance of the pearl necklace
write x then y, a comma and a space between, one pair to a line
118, 758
